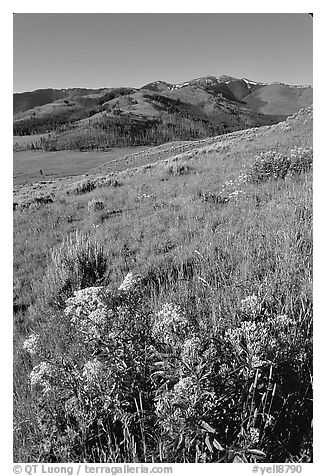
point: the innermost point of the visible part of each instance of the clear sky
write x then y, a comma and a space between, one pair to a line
131, 49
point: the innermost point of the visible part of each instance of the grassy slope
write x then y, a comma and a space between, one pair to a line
259, 243
279, 99
212, 161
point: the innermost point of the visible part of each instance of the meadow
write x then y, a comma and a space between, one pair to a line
27, 164
163, 313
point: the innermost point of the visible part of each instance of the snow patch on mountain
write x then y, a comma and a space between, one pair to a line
251, 83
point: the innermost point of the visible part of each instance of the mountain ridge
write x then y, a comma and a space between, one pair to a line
60, 93
158, 112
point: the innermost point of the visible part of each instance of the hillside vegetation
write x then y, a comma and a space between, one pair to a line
163, 304
159, 112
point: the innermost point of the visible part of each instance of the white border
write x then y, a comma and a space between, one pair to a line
167, 6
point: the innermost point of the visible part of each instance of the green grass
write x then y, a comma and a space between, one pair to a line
197, 261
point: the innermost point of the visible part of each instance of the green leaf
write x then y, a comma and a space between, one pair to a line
207, 427
208, 444
255, 452
217, 445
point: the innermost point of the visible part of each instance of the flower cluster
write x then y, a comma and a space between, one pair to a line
281, 329
175, 407
171, 325
250, 305
251, 339
92, 372
145, 195
231, 190
263, 340
224, 370
253, 435
88, 312
43, 374
242, 178
86, 301
282, 321
32, 344
184, 389
235, 194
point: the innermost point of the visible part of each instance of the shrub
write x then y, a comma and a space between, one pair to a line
301, 160
113, 183
274, 165
77, 263
107, 182
96, 385
214, 197
95, 205
82, 187
178, 169
268, 165
32, 203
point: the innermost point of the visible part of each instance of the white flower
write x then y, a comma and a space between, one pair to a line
250, 305
185, 387
88, 312
32, 344
284, 321
248, 328
257, 362
234, 336
85, 301
42, 374
254, 435
92, 371
224, 370
282, 328
171, 325
251, 338
269, 420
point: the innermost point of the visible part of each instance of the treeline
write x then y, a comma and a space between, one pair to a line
175, 106
98, 101
119, 131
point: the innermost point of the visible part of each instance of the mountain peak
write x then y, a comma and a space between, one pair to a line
202, 81
225, 77
205, 79
250, 83
158, 86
